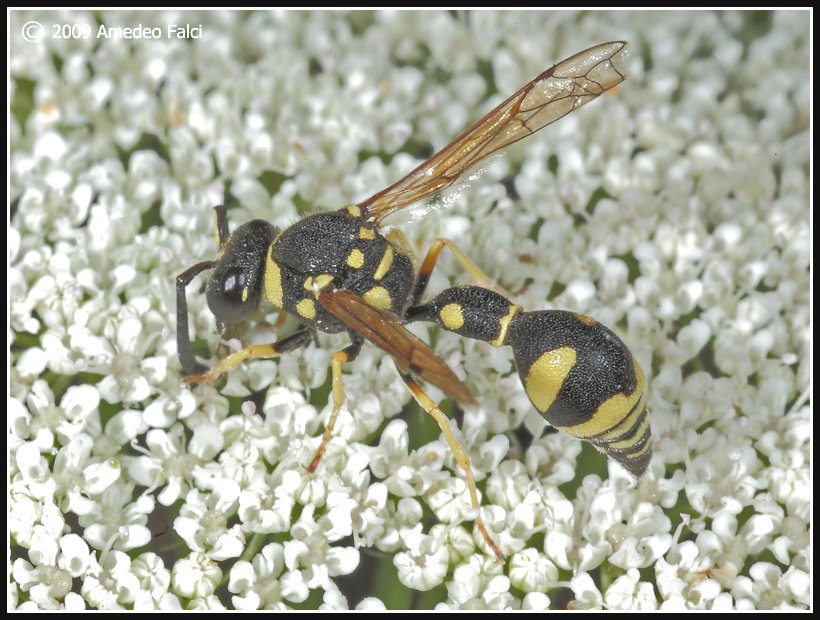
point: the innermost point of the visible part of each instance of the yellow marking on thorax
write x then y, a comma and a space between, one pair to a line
385, 263
316, 284
273, 281
355, 259
586, 320
378, 297
306, 308
353, 210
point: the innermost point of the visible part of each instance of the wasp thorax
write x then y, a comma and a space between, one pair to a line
235, 287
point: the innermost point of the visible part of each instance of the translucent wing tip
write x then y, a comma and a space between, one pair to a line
620, 56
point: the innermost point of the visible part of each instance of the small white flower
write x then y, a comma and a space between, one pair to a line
120, 430
531, 571
115, 516
647, 538
261, 584
371, 603
195, 576
100, 476
629, 592
392, 449
155, 583
370, 516
449, 500
478, 584
551, 459
424, 565
266, 505
25, 513
166, 461
56, 560
535, 601
111, 585
587, 595
287, 416
311, 551
460, 543
203, 521
509, 484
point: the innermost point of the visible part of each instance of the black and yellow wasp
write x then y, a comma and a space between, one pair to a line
336, 272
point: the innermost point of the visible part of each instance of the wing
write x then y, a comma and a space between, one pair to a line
552, 95
383, 329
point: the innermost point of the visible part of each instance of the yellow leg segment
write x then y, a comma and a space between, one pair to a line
336, 361
462, 458
233, 360
348, 354
260, 351
469, 266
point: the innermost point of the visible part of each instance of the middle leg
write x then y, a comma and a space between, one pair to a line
348, 354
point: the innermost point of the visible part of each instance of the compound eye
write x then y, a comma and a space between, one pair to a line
229, 295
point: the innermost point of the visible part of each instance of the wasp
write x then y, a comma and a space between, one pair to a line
338, 272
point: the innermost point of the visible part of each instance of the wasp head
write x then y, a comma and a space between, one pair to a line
235, 287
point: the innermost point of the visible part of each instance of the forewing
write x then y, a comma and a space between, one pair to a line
383, 329
550, 96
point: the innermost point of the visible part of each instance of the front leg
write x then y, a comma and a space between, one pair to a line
186, 356
297, 339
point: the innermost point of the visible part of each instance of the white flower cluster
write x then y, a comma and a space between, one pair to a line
676, 209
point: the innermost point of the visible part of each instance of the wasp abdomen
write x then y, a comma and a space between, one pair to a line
578, 374
584, 381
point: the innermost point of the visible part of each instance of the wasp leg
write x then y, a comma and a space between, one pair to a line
221, 230
462, 458
286, 345
186, 356
348, 354
278, 323
470, 267
400, 243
